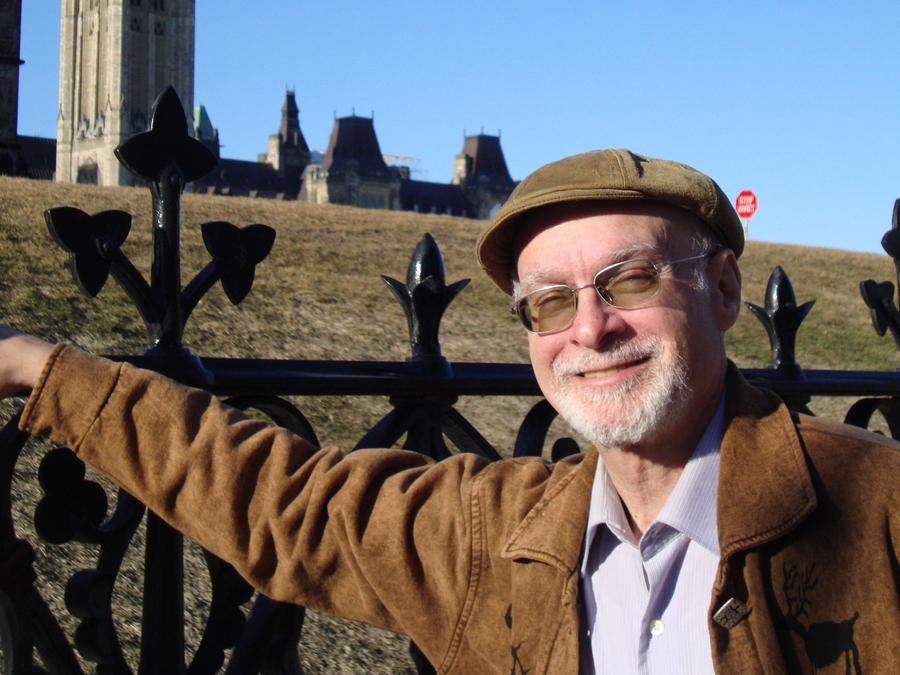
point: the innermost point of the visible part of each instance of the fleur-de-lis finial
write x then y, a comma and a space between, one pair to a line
424, 298
166, 143
781, 318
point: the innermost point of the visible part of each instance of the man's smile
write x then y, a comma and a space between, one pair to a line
611, 370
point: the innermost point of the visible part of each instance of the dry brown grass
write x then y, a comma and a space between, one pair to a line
319, 296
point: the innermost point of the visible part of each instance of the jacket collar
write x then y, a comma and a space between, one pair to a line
553, 531
764, 489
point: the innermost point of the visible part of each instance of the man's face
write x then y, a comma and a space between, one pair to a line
623, 377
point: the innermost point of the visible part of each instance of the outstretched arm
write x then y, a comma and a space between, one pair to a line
383, 536
22, 358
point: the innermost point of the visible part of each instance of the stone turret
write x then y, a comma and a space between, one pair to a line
288, 152
480, 170
353, 146
289, 131
353, 170
204, 131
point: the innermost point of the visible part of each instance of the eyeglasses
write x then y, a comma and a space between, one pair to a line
625, 285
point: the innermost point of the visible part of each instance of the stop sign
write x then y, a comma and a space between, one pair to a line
746, 203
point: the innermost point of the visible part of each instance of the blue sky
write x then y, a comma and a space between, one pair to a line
798, 101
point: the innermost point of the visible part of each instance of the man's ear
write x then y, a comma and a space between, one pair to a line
725, 288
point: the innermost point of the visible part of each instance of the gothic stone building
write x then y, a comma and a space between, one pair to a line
276, 173
116, 56
28, 156
353, 171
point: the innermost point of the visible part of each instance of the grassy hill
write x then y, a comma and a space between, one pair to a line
319, 296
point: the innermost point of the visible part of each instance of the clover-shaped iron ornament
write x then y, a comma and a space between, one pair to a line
424, 297
890, 242
72, 507
236, 252
167, 157
92, 241
879, 297
94, 246
782, 318
167, 142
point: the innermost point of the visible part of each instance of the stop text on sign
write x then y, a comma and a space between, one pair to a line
746, 203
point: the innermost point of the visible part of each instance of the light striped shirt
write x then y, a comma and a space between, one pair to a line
645, 602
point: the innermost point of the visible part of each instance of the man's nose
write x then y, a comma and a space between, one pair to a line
595, 320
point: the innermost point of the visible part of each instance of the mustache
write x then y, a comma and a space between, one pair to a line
635, 349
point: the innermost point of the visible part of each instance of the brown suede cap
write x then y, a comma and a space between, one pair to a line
606, 175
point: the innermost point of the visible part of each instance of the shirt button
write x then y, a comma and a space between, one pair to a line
656, 627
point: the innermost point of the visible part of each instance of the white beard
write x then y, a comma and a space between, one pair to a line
627, 413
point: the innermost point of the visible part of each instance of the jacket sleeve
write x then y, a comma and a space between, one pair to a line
381, 536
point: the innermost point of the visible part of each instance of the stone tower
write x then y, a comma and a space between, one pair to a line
288, 152
115, 57
480, 170
10, 31
353, 171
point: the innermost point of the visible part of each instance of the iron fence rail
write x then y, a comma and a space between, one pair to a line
287, 377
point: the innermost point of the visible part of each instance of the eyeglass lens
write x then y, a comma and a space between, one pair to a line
626, 284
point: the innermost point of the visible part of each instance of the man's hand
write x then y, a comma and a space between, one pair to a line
22, 359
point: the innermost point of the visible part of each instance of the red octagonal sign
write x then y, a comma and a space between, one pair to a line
746, 203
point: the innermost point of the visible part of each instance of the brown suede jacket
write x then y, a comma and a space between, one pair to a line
479, 562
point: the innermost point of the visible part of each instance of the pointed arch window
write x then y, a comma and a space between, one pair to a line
88, 174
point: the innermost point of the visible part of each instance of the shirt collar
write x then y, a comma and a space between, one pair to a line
690, 509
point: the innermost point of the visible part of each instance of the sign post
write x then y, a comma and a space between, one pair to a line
746, 205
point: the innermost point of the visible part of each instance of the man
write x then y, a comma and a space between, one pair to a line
707, 529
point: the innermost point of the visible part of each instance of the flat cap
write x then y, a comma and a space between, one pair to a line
606, 175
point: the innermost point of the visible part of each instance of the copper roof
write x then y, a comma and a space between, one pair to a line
486, 158
353, 145
289, 131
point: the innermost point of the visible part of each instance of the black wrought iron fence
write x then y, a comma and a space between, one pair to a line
422, 391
